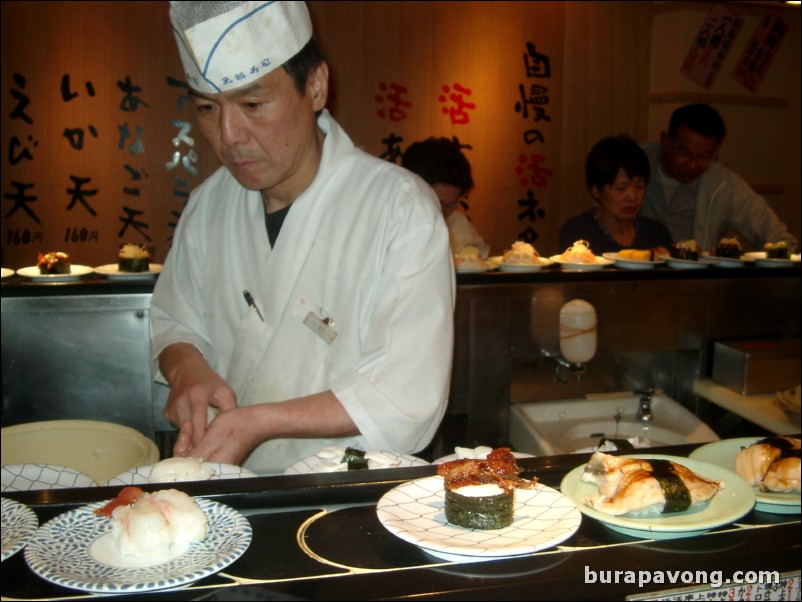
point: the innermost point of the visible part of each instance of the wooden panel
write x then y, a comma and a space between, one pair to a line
602, 74
90, 146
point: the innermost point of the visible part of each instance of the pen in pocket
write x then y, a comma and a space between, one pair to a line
249, 300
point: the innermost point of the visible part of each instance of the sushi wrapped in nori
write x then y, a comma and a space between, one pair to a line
777, 250
355, 459
133, 258
479, 494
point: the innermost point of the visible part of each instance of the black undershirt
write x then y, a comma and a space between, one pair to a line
273, 223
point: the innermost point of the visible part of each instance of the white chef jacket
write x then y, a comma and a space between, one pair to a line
364, 247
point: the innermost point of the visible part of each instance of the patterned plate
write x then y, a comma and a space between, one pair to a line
414, 511
26, 477
62, 552
323, 463
19, 526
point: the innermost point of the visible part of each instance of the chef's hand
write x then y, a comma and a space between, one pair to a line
194, 387
231, 436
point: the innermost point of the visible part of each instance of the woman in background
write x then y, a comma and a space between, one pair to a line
445, 168
617, 172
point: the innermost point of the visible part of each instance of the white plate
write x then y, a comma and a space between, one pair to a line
598, 264
76, 271
318, 464
141, 475
689, 264
6, 272
27, 477
722, 453
525, 267
112, 272
19, 524
730, 262
63, 553
414, 512
476, 270
634, 264
760, 259
728, 505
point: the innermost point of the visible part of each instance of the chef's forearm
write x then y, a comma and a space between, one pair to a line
320, 415
176, 357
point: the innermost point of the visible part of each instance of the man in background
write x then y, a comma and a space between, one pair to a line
695, 195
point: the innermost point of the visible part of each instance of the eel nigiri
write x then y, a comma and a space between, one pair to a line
637, 486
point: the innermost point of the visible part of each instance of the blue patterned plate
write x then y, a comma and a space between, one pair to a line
27, 477
63, 552
19, 526
414, 511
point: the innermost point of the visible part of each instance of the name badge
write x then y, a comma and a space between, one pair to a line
322, 327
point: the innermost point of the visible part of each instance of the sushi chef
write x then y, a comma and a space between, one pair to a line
308, 296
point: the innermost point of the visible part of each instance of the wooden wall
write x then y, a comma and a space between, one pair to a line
528, 87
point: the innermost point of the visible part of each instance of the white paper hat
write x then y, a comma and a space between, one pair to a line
227, 45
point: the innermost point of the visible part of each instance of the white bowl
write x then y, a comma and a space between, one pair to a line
98, 449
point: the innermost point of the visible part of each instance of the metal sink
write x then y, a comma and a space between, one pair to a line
570, 425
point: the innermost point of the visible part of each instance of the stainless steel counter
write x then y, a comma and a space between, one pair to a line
80, 350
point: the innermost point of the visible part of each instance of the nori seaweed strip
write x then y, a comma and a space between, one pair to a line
678, 498
784, 445
481, 512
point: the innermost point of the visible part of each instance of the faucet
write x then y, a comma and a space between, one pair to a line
645, 412
576, 368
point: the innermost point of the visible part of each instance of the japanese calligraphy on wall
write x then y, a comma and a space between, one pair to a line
491, 93
711, 45
534, 174
759, 52
99, 153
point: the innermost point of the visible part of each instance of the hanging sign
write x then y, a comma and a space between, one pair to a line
711, 45
759, 52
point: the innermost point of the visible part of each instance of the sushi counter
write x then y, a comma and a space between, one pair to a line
320, 537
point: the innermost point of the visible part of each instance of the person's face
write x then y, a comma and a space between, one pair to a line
688, 155
266, 133
449, 196
621, 200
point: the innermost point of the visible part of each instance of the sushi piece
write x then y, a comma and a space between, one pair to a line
479, 494
355, 459
729, 247
154, 527
777, 250
55, 262
771, 464
521, 253
637, 254
685, 249
579, 252
133, 258
178, 469
636, 486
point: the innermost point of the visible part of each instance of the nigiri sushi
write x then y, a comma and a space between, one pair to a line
771, 464
638, 486
157, 526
